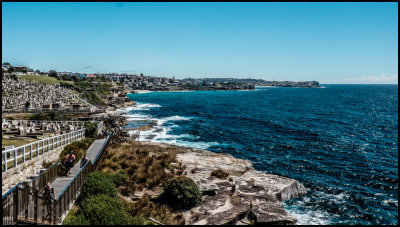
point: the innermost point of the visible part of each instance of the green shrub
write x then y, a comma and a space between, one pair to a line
181, 193
47, 164
78, 147
119, 179
78, 152
104, 210
51, 116
76, 220
219, 173
91, 129
98, 183
144, 208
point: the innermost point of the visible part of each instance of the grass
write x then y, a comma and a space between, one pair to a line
19, 116
219, 173
147, 166
144, 208
16, 141
44, 79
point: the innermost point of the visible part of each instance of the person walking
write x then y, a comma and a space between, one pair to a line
84, 160
69, 162
48, 195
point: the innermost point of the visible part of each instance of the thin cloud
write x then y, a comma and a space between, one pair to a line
380, 79
87, 67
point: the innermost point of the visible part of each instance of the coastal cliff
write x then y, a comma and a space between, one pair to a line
243, 196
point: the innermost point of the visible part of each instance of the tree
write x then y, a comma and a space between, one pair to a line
53, 73
91, 129
65, 77
75, 78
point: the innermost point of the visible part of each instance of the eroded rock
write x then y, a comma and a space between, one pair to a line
246, 196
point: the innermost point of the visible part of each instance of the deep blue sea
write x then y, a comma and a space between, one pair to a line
339, 141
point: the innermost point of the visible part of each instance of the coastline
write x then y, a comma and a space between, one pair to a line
255, 189
246, 196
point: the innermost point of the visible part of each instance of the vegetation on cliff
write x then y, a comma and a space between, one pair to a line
181, 193
127, 169
98, 203
91, 129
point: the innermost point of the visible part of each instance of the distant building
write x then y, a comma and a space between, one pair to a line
82, 75
91, 76
69, 74
6, 66
22, 69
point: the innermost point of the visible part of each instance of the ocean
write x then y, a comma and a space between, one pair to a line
339, 141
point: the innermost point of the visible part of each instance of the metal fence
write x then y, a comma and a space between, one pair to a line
47, 110
21, 196
15, 156
40, 122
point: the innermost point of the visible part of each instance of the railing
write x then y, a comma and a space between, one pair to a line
11, 210
75, 123
26, 152
39, 122
26, 203
69, 110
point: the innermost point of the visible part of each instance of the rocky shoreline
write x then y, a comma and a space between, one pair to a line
245, 196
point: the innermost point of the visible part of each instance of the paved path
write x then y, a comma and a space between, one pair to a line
86, 102
61, 182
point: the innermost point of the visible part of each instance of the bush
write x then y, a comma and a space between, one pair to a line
144, 208
78, 152
52, 116
91, 129
119, 179
104, 210
219, 173
76, 220
98, 183
181, 193
78, 147
47, 164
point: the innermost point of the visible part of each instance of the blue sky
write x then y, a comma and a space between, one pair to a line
327, 42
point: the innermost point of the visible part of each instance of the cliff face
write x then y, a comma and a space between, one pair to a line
245, 196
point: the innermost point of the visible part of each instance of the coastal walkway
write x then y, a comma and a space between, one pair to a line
61, 182
26, 203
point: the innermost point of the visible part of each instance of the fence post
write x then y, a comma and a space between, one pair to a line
51, 211
15, 157
36, 203
23, 155
26, 200
37, 149
16, 205
5, 161
31, 148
